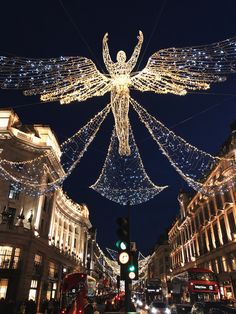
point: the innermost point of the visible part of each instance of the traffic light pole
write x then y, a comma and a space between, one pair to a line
128, 281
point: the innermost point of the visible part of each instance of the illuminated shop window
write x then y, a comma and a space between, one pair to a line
9, 257
52, 270
5, 256
38, 259
16, 258
33, 290
51, 291
13, 193
3, 287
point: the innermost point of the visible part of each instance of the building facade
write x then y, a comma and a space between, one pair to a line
159, 268
41, 237
204, 234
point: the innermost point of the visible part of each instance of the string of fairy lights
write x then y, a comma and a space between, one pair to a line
123, 178
190, 162
32, 176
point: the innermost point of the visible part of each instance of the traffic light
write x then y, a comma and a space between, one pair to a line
123, 245
123, 240
132, 267
123, 230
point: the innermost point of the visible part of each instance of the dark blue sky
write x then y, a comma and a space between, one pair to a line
53, 28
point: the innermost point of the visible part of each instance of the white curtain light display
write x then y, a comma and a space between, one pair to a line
123, 178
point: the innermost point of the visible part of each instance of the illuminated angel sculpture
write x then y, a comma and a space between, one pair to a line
67, 79
173, 70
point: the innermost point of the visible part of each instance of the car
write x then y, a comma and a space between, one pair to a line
158, 307
211, 308
181, 308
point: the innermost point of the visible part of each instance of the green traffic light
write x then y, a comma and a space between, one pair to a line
121, 245
131, 268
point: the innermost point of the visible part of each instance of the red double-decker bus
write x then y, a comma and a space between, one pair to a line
195, 284
74, 288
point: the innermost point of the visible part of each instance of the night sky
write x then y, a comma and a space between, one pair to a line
51, 28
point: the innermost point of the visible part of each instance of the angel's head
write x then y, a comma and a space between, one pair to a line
121, 56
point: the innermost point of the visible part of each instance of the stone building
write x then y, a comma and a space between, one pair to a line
41, 237
204, 234
159, 269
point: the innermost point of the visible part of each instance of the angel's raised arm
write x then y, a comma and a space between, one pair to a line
105, 52
133, 60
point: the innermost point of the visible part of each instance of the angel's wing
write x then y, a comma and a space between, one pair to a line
65, 79
178, 70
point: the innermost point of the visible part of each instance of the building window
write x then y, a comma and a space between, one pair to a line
218, 201
33, 290
195, 246
227, 197
16, 258
204, 247
209, 265
42, 226
201, 217
37, 264
206, 212
216, 234
13, 193
51, 291
9, 257
38, 259
8, 215
3, 287
200, 245
224, 263
5, 256
45, 204
197, 223
233, 263
216, 266
52, 270
211, 207
223, 230
210, 239
232, 223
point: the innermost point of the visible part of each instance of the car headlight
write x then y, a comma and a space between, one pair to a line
167, 311
153, 310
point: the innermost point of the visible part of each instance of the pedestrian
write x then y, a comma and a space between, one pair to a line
30, 307
3, 306
88, 308
44, 306
109, 306
50, 306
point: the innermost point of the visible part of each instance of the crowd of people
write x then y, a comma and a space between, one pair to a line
109, 305
12, 307
97, 306
29, 307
